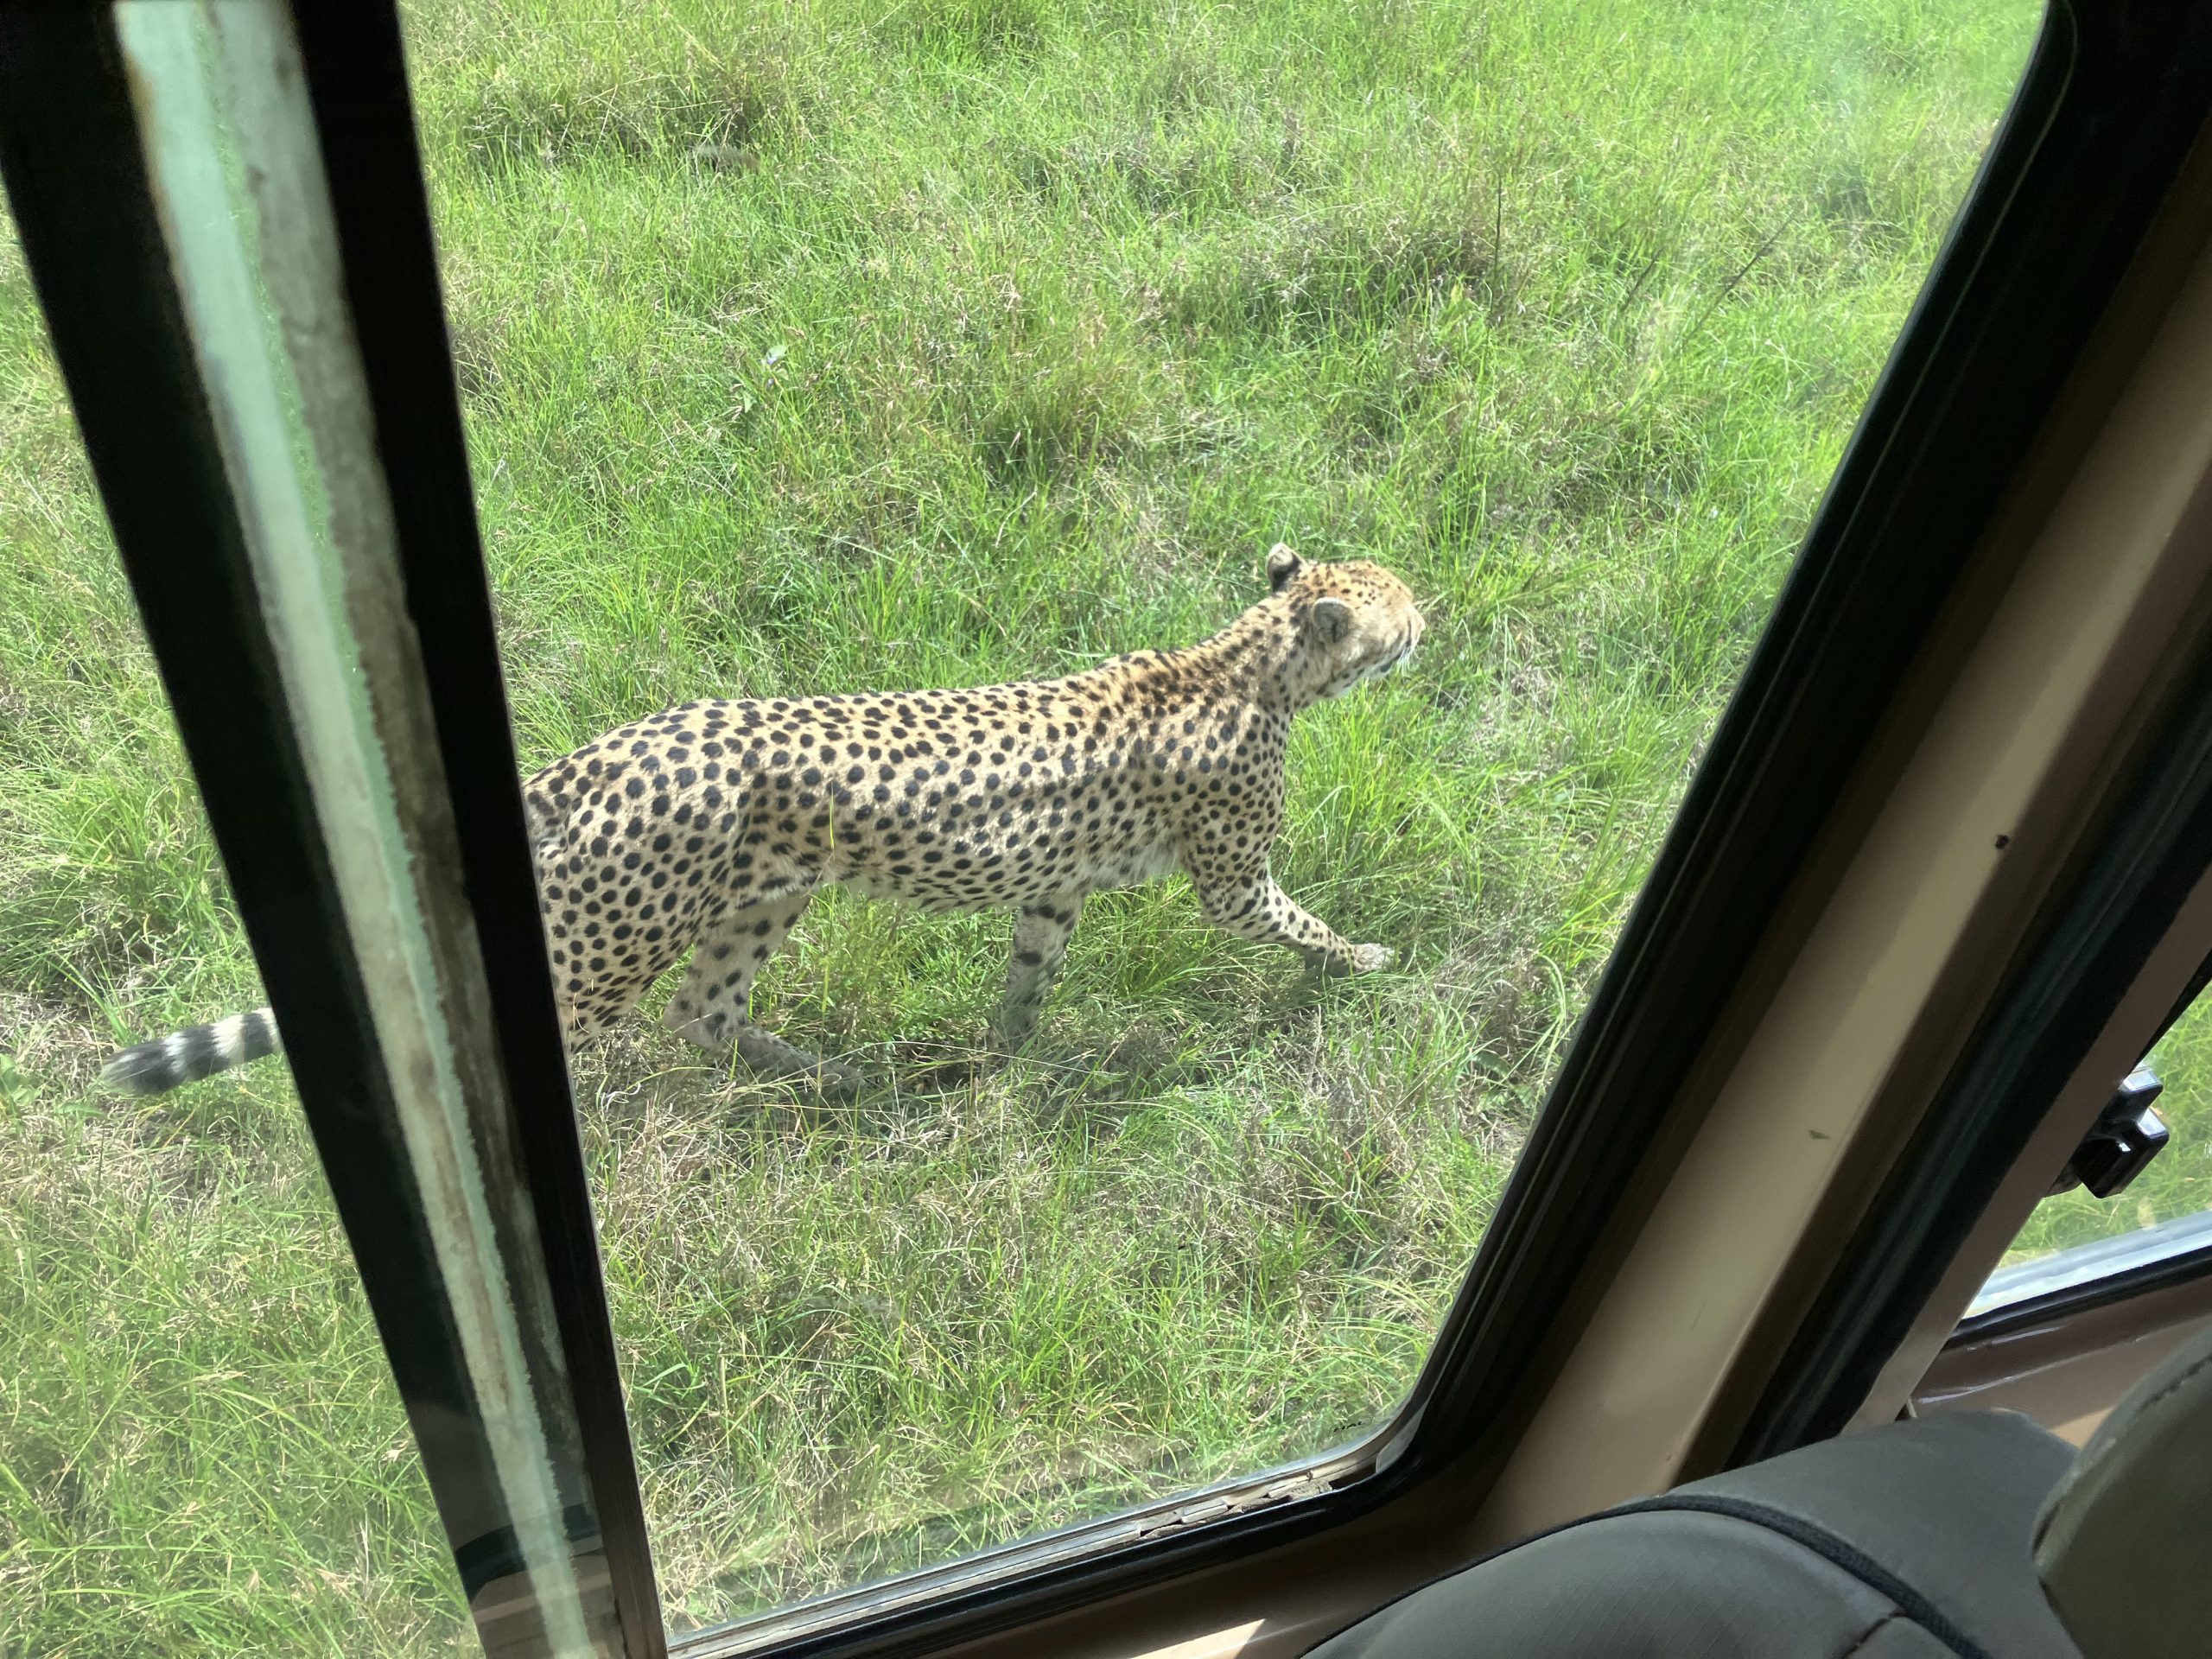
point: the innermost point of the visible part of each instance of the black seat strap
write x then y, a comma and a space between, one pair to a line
1835, 1550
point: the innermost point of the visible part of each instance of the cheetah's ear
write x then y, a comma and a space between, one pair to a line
1331, 620
1283, 565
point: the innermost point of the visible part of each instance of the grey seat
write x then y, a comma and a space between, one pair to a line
2124, 1542
1910, 1541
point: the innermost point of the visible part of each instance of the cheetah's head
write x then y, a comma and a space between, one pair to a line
1350, 622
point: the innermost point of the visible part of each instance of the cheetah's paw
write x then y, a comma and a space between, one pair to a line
770, 1055
1372, 958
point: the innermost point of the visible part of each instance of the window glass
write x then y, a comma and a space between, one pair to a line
201, 1448
2177, 1182
852, 347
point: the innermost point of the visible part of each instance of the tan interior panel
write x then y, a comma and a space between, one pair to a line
1277, 1605
2121, 1045
2068, 1371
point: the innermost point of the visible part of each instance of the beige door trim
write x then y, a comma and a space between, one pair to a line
2067, 1372
2165, 976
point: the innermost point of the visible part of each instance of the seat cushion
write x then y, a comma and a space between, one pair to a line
1910, 1541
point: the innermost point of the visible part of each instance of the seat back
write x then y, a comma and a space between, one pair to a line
2124, 1542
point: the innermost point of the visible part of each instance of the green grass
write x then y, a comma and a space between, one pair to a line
849, 344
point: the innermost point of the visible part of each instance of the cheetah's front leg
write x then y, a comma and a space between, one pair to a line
712, 1006
1041, 932
1253, 907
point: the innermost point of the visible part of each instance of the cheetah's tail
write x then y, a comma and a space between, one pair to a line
196, 1052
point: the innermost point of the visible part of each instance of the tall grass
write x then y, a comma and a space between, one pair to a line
849, 344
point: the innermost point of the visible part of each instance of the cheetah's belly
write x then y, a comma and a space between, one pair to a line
1133, 866
991, 877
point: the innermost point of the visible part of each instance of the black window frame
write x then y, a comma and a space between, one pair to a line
2109, 106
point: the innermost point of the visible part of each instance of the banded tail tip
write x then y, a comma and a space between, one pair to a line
141, 1069
187, 1056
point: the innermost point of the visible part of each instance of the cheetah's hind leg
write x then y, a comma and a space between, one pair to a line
1041, 932
712, 1007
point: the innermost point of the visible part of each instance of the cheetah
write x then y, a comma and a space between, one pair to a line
707, 828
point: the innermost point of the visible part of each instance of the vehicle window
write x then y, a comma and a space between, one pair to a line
202, 1448
2177, 1185
854, 349
872, 351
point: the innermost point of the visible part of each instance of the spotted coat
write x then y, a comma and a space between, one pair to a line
708, 827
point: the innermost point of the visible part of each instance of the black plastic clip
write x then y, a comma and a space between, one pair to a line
2127, 1136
